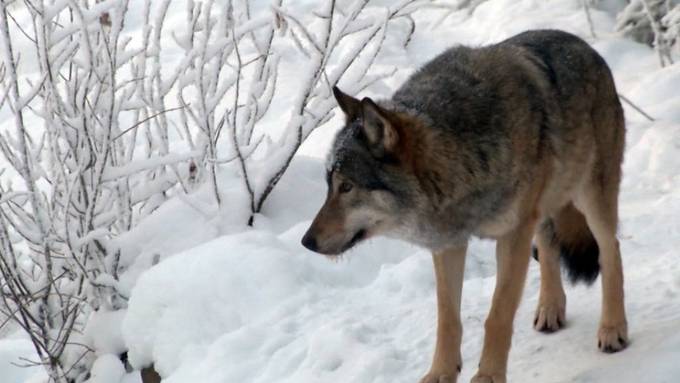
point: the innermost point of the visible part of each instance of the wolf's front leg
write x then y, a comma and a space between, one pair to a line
449, 266
512, 257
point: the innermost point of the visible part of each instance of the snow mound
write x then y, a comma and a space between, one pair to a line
245, 298
106, 369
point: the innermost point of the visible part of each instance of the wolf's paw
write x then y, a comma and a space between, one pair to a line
549, 317
481, 378
443, 370
439, 378
612, 338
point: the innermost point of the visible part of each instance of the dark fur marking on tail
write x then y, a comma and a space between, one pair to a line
582, 261
581, 258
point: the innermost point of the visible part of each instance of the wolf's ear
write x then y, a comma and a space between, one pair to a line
349, 105
380, 133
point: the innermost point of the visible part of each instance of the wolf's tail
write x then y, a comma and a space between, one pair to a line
569, 231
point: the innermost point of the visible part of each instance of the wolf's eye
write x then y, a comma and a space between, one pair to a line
345, 187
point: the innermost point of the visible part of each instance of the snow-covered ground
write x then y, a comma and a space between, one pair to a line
214, 301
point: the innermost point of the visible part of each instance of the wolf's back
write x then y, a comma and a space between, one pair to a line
568, 62
465, 86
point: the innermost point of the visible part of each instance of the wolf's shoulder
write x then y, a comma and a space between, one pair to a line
452, 76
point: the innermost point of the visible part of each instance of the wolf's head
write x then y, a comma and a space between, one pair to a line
369, 182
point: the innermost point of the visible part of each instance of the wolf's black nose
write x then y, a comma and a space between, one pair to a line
309, 242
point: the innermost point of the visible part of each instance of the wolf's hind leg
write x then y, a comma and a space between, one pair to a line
449, 266
550, 313
600, 206
512, 255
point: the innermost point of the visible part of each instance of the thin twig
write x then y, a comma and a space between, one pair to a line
145, 120
637, 108
586, 8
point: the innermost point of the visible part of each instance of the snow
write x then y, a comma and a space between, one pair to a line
147, 164
103, 332
12, 349
214, 301
107, 369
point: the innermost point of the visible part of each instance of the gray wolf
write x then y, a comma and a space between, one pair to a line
518, 141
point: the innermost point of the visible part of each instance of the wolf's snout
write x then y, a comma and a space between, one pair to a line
309, 241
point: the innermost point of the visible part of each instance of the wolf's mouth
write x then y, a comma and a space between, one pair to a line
361, 234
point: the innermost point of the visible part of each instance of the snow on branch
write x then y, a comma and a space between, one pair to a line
106, 125
653, 22
341, 47
229, 79
79, 170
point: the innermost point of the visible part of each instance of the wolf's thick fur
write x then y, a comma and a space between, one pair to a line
518, 140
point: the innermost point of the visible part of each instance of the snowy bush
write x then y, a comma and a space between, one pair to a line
653, 22
340, 44
105, 130
671, 26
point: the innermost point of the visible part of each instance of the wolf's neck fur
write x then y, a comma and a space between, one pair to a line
459, 189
